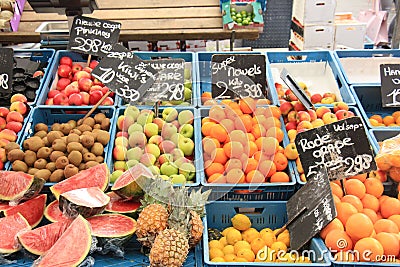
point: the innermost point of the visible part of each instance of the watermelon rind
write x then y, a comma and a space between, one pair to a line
53, 213
71, 248
32, 209
121, 205
84, 201
131, 182
96, 176
33, 191
38, 241
14, 185
10, 226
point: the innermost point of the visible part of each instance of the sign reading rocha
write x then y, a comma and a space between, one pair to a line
93, 36
390, 85
342, 147
6, 69
238, 75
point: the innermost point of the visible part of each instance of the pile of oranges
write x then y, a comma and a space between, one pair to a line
388, 158
388, 120
367, 224
242, 143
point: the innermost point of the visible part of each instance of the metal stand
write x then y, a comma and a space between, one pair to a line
232, 41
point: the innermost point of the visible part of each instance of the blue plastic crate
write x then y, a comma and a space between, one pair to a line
365, 63
299, 57
196, 133
246, 191
204, 72
132, 257
50, 115
52, 75
271, 214
189, 57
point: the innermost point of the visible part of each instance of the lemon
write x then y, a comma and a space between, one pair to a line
228, 249
230, 257
246, 253
233, 236
241, 222
269, 238
223, 241
215, 244
250, 234
278, 246
215, 252
226, 230
239, 245
218, 259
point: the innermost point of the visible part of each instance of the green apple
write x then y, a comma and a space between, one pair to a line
154, 170
186, 130
177, 153
165, 158
148, 159
132, 111
187, 74
144, 118
168, 130
178, 179
150, 129
186, 145
188, 170
187, 93
134, 153
168, 168
181, 160
188, 84
169, 114
176, 137
131, 163
120, 165
185, 117
115, 175
164, 177
136, 127
137, 139
152, 149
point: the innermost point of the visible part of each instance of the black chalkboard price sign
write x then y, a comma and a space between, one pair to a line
310, 209
125, 73
93, 36
390, 85
342, 147
6, 69
169, 83
238, 75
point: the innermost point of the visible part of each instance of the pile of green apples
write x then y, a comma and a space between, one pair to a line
163, 143
242, 18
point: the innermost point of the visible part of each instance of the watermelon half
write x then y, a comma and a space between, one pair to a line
19, 186
118, 204
131, 182
10, 226
53, 213
32, 210
84, 201
97, 176
38, 241
71, 248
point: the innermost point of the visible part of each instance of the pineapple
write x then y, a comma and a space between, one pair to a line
196, 229
152, 220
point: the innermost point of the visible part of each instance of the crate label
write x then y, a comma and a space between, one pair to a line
238, 75
125, 74
342, 147
310, 209
93, 36
169, 83
390, 85
6, 69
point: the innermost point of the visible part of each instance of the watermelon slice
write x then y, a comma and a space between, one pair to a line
118, 204
84, 201
19, 186
53, 213
71, 248
32, 210
10, 226
40, 240
97, 176
131, 182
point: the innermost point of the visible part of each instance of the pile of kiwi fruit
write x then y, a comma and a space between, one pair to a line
63, 150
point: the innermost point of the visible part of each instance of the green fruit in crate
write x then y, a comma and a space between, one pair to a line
11, 226
187, 74
115, 175
214, 234
19, 186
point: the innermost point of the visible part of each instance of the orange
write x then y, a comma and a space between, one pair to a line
251, 148
374, 187
276, 112
217, 113
371, 214
336, 190
362, 177
210, 144
218, 155
228, 125
250, 137
233, 149
353, 200
217, 178
280, 161
238, 136
206, 128
383, 162
394, 173
368, 249
218, 132
235, 176
387, 120
247, 254
257, 244
267, 168
396, 114
279, 177
214, 167
386, 225
359, 226
394, 158
338, 240
334, 224
244, 123
389, 207
370, 202
269, 238
336, 199
233, 163
271, 122
390, 243
355, 187
258, 131
376, 117
206, 96
233, 105
269, 145
255, 176
275, 132
241, 244
396, 219
247, 105
250, 164
382, 198
344, 211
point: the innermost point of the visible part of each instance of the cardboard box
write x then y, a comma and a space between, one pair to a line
313, 37
311, 12
255, 7
349, 33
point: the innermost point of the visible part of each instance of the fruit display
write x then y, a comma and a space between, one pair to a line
17, 187
243, 143
75, 86
392, 120
242, 18
164, 143
367, 225
32, 209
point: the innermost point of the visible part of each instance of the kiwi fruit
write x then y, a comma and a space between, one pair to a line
99, 117
105, 124
97, 126
59, 145
34, 143
75, 131
54, 135
40, 164
87, 140
44, 152
55, 155
44, 174
84, 128
61, 162
32, 171
30, 157
51, 166
97, 149
75, 158
10, 146
89, 157
72, 123
103, 137
82, 166
15, 154
46, 142
84, 150
89, 121
57, 176
19, 166
41, 134
56, 127
65, 128
74, 146
90, 164
70, 170
72, 137
41, 127
99, 159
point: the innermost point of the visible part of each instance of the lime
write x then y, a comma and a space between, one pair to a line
240, 24
239, 20
245, 22
238, 15
234, 18
233, 9
115, 175
243, 12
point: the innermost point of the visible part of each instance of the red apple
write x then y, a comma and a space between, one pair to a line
3, 111
52, 93
97, 82
316, 98
298, 106
2, 123
14, 126
62, 83
19, 107
38, 73
71, 89
285, 107
342, 114
303, 116
94, 97
95, 88
340, 106
291, 125
104, 90
87, 69
329, 94
81, 74
321, 111
66, 61
292, 116
19, 97
93, 64
84, 84
75, 99
108, 101
85, 98
313, 114
49, 101
60, 99
76, 67
122, 133
14, 116
303, 126
64, 71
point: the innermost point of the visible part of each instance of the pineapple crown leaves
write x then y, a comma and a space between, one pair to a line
157, 191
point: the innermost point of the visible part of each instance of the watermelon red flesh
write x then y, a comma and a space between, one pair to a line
32, 210
119, 205
71, 248
13, 185
4, 206
112, 225
40, 240
10, 226
53, 212
97, 176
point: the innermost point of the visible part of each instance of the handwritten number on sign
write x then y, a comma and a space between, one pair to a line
4, 81
224, 86
176, 91
253, 90
93, 45
358, 164
128, 93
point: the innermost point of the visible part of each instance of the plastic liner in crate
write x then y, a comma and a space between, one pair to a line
362, 66
190, 64
196, 136
245, 191
132, 257
204, 73
317, 69
27, 62
271, 214
51, 115
369, 101
50, 82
